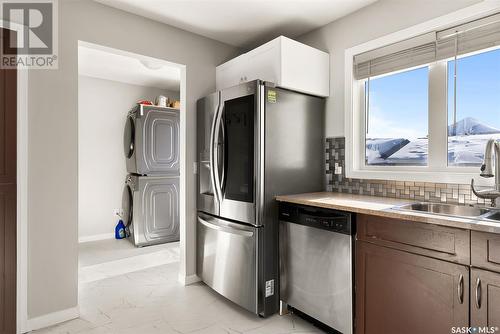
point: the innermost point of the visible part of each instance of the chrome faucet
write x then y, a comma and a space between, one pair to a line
491, 156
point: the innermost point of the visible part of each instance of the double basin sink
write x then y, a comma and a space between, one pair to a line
452, 210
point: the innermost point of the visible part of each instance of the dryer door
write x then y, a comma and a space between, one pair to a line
161, 141
129, 137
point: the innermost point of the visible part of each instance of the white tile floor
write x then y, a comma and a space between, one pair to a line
152, 301
109, 258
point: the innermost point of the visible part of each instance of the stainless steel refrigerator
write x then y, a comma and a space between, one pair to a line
255, 141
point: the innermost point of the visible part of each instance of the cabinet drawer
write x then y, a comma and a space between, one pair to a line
441, 242
485, 249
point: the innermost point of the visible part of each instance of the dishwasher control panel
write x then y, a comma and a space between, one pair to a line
326, 219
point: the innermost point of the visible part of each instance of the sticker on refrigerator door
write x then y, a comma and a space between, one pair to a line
271, 96
269, 288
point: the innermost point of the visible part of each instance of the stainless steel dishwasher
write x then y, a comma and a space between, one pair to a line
316, 264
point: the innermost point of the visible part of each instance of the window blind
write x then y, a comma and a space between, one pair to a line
469, 37
405, 54
437, 45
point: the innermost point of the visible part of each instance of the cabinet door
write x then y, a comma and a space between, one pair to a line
263, 63
485, 250
231, 73
399, 292
304, 69
485, 298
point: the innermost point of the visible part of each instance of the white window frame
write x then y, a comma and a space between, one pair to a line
437, 169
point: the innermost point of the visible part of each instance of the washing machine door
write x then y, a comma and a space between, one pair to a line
128, 208
129, 137
160, 207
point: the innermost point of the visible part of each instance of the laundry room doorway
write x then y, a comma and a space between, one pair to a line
129, 162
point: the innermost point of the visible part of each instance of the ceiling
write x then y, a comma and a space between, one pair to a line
101, 64
242, 23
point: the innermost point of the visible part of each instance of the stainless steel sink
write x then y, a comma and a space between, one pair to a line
447, 209
494, 215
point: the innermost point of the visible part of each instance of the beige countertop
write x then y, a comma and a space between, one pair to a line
383, 206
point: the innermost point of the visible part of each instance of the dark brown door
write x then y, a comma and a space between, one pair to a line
485, 251
398, 292
8, 156
485, 298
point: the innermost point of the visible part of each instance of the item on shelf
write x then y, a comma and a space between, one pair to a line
161, 101
175, 104
145, 102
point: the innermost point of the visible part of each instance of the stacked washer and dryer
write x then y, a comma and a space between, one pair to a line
151, 194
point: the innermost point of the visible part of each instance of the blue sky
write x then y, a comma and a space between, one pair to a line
398, 103
478, 88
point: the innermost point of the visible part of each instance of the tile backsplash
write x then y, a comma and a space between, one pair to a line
419, 191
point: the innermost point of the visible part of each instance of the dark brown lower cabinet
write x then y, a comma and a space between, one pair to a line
398, 292
485, 298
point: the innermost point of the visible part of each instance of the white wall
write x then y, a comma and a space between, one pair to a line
102, 111
381, 18
53, 138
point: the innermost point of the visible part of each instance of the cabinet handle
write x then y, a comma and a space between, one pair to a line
478, 293
461, 289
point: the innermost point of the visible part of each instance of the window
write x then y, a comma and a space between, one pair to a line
476, 116
397, 118
424, 108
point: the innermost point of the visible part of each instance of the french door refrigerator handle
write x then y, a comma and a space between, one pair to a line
227, 229
212, 153
215, 150
223, 145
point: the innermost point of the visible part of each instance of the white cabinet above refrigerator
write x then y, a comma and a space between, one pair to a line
283, 61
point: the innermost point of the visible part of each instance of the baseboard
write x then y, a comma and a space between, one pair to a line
188, 280
53, 318
96, 237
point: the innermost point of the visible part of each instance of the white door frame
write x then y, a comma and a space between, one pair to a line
22, 201
183, 140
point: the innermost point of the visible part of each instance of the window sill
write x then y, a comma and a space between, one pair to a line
421, 176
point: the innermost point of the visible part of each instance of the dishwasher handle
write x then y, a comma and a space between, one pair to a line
325, 219
319, 218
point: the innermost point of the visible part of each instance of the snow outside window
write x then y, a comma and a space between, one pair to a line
396, 115
476, 116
